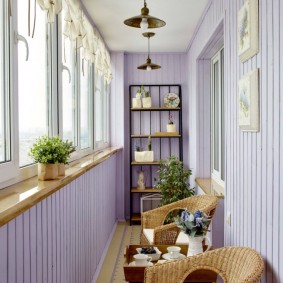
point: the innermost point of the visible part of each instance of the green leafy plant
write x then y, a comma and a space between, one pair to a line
147, 94
51, 150
149, 143
173, 181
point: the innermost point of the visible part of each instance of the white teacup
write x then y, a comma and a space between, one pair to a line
174, 252
142, 259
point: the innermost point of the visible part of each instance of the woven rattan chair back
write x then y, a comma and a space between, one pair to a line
233, 264
156, 217
168, 234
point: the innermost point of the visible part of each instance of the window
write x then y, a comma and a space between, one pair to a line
69, 94
101, 102
217, 118
5, 143
53, 91
85, 103
32, 82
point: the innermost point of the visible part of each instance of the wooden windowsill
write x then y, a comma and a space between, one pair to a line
16, 199
205, 185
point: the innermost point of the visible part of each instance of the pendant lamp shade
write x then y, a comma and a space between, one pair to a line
148, 66
144, 20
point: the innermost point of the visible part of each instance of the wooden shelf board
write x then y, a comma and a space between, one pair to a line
145, 163
156, 109
146, 190
158, 135
136, 217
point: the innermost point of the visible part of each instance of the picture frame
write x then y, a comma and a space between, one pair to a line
248, 44
248, 102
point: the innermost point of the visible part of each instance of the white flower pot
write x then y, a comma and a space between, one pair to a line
195, 246
144, 156
171, 128
146, 102
137, 103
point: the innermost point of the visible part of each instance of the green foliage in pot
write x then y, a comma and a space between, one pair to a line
173, 181
51, 150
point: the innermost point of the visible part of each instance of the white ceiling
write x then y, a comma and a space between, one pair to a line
181, 17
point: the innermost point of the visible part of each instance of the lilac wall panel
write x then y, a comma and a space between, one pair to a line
62, 238
253, 160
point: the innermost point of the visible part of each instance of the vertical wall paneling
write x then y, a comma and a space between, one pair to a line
62, 238
253, 160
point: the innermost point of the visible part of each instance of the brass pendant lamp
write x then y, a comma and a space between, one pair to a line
148, 66
144, 20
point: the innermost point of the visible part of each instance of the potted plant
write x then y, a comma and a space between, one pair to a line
48, 152
173, 180
146, 100
171, 127
144, 156
63, 155
137, 101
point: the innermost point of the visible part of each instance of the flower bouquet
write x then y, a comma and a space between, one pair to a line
195, 225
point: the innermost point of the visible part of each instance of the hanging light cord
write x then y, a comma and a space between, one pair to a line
148, 48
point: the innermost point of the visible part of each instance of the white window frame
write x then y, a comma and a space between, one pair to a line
9, 169
105, 114
217, 174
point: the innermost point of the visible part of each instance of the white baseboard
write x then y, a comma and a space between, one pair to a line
96, 274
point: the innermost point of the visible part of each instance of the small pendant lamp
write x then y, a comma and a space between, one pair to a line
148, 66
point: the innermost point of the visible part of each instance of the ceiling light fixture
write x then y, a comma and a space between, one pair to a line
144, 21
148, 66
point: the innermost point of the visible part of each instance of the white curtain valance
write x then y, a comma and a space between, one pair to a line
77, 28
53, 8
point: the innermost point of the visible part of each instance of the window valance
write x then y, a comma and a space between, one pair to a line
53, 8
78, 29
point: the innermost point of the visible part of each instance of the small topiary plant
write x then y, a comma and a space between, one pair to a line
51, 150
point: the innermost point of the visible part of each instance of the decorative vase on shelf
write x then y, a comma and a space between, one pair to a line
195, 245
146, 102
137, 103
171, 128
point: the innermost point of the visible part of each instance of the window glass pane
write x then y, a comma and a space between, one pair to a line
32, 85
69, 100
98, 111
216, 117
85, 103
5, 154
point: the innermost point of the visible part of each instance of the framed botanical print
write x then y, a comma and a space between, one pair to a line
248, 30
248, 98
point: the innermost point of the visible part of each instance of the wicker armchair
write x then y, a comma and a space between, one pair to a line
168, 234
233, 264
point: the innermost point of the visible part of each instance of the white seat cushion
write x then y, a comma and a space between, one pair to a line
181, 240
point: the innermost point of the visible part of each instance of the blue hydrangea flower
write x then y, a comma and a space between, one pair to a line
197, 214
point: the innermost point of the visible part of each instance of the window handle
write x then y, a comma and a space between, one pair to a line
68, 70
18, 38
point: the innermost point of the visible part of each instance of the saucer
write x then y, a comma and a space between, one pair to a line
167, 256
134, 264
